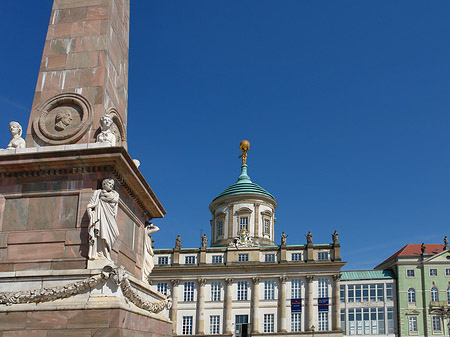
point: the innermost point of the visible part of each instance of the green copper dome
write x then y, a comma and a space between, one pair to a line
244, 186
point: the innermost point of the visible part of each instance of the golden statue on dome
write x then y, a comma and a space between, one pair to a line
244, 146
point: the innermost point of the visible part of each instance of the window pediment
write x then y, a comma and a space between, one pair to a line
244, 210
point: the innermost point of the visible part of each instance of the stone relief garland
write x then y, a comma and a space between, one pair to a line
118, 275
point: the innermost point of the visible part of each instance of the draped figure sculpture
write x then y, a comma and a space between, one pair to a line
148, 251
102, 211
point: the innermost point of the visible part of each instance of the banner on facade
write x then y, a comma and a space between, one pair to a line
296, 305
323, 304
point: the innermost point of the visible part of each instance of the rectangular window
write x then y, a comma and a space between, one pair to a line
217, 259
323, 256
412, 324
266, 226
187, 325
351, 293
214, 325
296, 256
323, 287
381, 321
163, 260
342, 293
219, 228
296, 321
243, 223
189, 259
358, 293
296, 288
269, 289
188, 291
162, 288
351, 321
216, 289
343, 325
242, 290
410, 273
389, 295
268, 323
436, 323
380, 292
243, 257
323, 321
373, 292
269, 257
365, 293
390, 322
433, 272
240, 321
447, 272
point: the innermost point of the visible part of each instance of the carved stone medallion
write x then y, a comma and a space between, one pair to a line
64, 119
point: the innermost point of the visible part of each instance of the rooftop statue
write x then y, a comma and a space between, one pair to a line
244, 146
106, 136
102, 211
178, 242
204, 241
309, 238
17, 142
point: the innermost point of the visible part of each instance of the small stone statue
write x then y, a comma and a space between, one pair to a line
102, 211
17, 142
283, 239
309, 238
334, 236
445, 243
204, 241
106, 136
178, 242
148, 251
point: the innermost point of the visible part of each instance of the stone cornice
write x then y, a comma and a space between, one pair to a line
82, 159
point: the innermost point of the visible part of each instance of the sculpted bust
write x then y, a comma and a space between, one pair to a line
106, 136
17, 142
62, 120
102, 211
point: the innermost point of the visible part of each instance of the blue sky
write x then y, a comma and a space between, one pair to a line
346, 105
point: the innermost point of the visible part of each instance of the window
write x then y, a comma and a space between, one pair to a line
188, 291
434, 294
447, 272
411, 295
162, 288
323, 321
214, 325
268, 323
189, 259
390, 322
448, 294
342, 293
436, 323
242, 290
296, 287
243, 257
240, 321
163, 260
243, 223
433, 272
266, 226
217, 259
389, 295
410, 273
366, 321
269, 257
412, 324
269, 286
187, 325
365, 293
323, 287
351, 293
219, 225
296, 256
296, 321
323, 256
380, 292
216, 287
343, 327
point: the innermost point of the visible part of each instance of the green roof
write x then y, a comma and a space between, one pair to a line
366, 275
244, 186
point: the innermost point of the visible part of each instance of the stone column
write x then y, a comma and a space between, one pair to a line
201, 307
228, 305
173, 310
255, 306
309, 303
282, 327
337, 302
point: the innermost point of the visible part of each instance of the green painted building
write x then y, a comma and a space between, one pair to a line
423, 288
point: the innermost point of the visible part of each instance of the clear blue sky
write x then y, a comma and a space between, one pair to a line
346, 105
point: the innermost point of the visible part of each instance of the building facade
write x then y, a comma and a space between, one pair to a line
244, 284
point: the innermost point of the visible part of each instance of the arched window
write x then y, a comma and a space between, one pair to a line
448, 294
434, 294
411, 295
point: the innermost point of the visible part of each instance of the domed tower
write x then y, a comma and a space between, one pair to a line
244, 213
